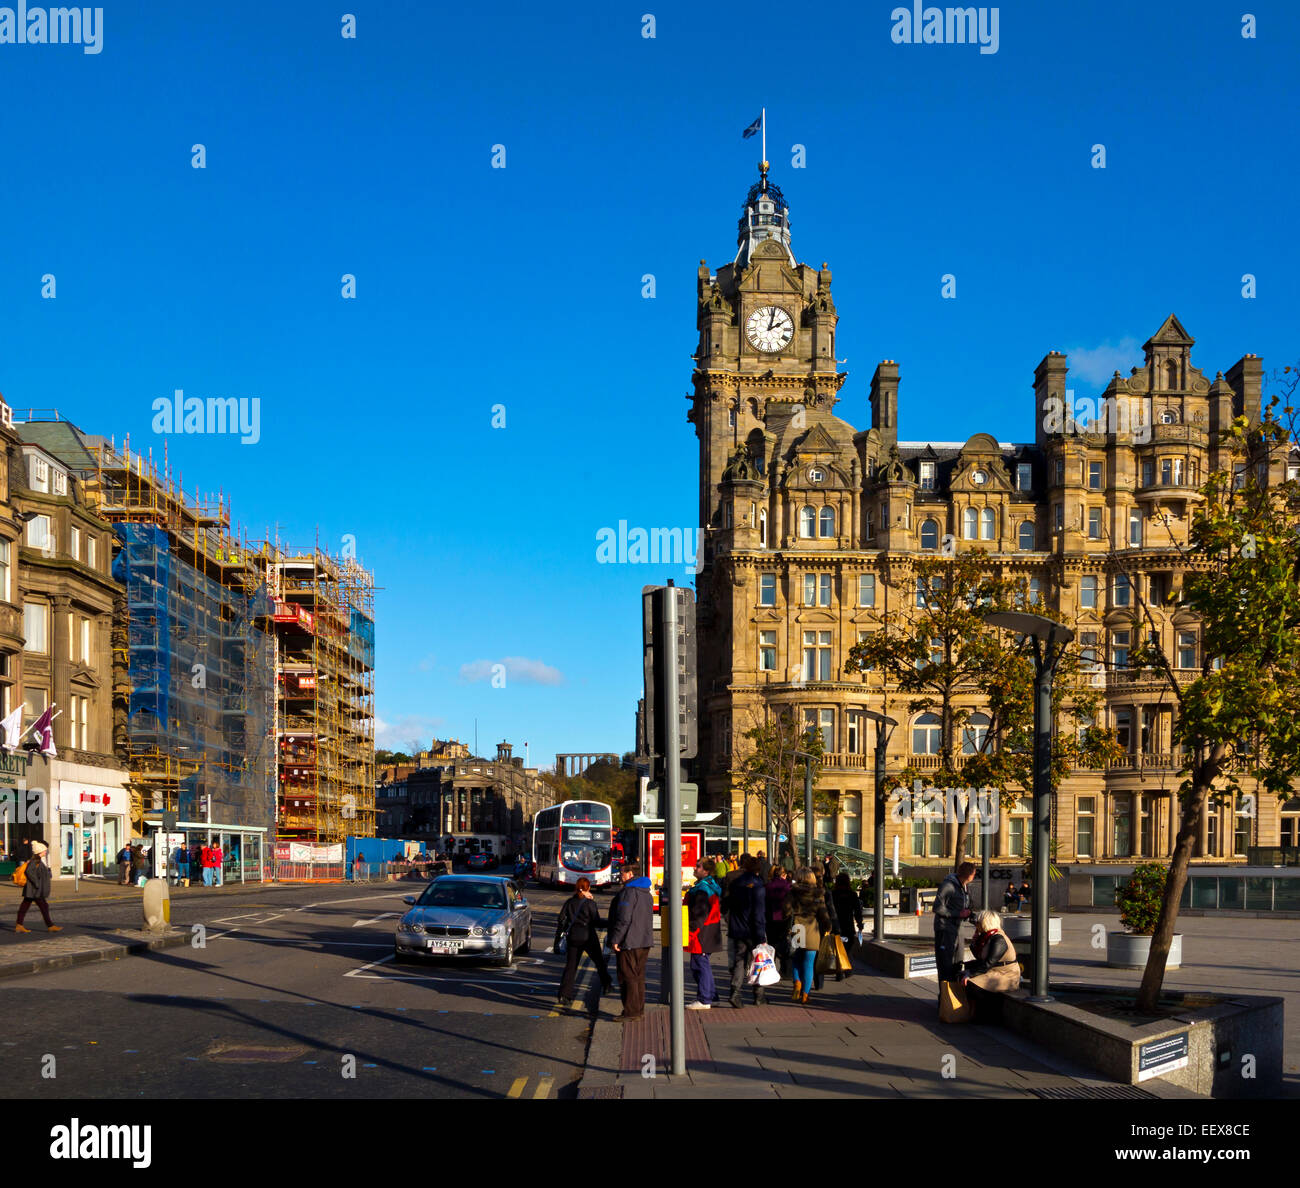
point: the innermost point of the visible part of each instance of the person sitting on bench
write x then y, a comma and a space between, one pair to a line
1011, 900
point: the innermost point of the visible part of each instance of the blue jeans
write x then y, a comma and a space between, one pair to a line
702, 971
207, 876
804, 962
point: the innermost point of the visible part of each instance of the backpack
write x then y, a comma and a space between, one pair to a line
20, 875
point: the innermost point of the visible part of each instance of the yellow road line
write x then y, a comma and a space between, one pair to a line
517, 1089
544, 1087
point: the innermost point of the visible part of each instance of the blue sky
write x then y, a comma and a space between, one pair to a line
522, 286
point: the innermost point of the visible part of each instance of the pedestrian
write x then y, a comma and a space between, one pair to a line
218, 856
951, 907
778, 927
182, 859
848, 914
720, 869
731, 876
746, 928
1012, 897
137, 864
764, 867
630, 937
819, 975
995, 969
124, 866
809, 922
580, 922
357, 863
36, 890
704, 934
625, 876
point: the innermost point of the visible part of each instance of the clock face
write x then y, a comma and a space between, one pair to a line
769, 328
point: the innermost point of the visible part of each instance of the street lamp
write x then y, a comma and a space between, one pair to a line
1050, 641
807, 807
884, 731
767, 818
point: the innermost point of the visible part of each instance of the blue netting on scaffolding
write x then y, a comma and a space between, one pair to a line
202, 676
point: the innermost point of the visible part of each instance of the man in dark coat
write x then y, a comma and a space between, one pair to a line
951, 907
764, 867
37, 889
746, 928
630, 936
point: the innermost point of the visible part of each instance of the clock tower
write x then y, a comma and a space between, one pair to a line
771, 448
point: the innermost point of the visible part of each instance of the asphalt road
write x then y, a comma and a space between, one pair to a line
294, 993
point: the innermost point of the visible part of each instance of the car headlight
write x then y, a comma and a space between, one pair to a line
476, 931
416, 926
497, 930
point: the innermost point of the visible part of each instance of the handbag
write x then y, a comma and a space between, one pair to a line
825, 954
841, 955
954, 1003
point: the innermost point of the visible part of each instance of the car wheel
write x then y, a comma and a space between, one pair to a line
509, 959
528, 940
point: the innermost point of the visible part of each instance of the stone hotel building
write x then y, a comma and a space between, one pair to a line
813, 529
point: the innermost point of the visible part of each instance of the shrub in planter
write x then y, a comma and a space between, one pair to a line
1139, 899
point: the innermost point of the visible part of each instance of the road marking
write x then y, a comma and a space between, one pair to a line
381, 916
517, 1089
543, 1087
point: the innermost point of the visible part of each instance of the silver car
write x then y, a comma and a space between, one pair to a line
466, 916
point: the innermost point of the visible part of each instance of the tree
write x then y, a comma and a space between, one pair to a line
1237, 718
948, 661
774, 756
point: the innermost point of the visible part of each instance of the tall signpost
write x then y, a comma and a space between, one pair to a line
668, 618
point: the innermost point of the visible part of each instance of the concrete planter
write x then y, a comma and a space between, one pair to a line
1126, 950
1018, 928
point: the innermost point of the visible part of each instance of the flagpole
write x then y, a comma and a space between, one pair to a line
763, 122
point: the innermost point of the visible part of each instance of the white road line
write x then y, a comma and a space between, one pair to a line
306, 907
376, 919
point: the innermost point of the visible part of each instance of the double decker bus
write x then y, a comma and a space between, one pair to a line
573, 840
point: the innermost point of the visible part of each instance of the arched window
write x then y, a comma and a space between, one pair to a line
929, 535
969, 522
807, 522
1027, 536
827, 517
974, 733
926, 734
1169, 416
762, 528
988, 521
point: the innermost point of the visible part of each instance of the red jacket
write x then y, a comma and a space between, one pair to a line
704, 911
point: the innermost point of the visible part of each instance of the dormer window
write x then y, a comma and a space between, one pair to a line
927, 476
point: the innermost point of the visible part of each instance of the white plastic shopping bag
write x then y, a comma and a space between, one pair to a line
762, 970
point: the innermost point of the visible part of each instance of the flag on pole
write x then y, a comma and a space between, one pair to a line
754, 129
12, 729
43, 733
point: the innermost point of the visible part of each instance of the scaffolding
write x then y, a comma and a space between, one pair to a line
323, 611
197, 647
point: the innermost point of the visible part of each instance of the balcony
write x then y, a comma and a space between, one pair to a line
845, 761
1145, 761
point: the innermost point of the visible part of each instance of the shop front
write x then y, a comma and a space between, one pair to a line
94, 824
23, 810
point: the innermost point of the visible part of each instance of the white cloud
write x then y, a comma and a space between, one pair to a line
518, 668
1097, 364
395, 735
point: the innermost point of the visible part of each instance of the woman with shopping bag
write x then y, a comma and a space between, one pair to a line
848, 913
995, 969
805, 909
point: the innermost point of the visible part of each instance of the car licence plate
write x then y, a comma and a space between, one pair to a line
444, 946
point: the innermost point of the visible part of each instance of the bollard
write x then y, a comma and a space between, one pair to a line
157, 905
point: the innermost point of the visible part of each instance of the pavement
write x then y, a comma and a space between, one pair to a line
880, 1037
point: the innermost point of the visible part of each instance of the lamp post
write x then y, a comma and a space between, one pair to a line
1050, 641
768, 834
884, 731
807, 807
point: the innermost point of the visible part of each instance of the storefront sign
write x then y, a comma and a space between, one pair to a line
92, 798
13, 768
300, 852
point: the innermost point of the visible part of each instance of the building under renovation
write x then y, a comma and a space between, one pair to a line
323, 612
243, 675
